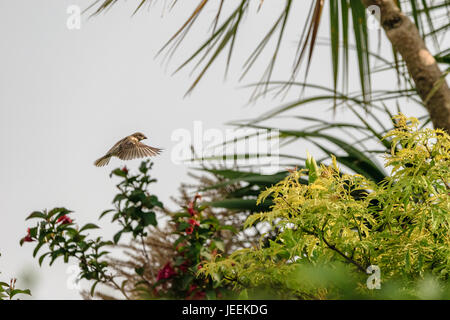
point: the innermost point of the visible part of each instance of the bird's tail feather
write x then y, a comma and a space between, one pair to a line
103, 161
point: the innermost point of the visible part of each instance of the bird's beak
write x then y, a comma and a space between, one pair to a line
144, 138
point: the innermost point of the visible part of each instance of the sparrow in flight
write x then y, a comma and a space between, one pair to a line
128, 148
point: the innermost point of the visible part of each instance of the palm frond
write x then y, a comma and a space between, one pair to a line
342, 14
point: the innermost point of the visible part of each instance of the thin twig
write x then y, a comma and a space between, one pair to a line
332, 247
119, 288
146, 257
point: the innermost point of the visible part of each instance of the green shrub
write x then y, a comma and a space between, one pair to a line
331, 230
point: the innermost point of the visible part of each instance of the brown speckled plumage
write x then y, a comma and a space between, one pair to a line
128, 148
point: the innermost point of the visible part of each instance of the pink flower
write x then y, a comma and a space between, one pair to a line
28, 237
166, 272
191, 205
198, 295
191, 209
199, 267
184, 266
193, 222
64, 220
192, 287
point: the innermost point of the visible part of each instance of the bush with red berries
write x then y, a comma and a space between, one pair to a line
57, 232
197, 241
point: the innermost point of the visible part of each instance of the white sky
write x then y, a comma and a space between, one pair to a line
67, 95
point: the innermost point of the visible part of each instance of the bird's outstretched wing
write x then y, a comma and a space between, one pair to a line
116, 148
134, 149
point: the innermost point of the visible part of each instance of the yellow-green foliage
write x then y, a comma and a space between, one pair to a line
400, 225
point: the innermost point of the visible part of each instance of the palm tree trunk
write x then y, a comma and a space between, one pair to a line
422, 66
